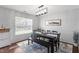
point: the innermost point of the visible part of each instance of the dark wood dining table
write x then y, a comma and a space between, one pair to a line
48, 44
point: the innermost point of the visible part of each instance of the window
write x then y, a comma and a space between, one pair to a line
23, 25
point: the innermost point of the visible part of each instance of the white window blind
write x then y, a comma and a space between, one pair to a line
23, 25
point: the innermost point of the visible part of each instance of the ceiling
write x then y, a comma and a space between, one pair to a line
31, 8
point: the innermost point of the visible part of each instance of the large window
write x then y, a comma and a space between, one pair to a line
23, 25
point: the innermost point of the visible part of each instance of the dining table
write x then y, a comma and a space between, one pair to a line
40, 39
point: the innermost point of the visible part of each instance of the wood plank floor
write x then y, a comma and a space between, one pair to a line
14, 48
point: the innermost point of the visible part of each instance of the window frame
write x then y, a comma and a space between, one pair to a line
19, 32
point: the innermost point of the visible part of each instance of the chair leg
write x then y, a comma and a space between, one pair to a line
28, 41
58, 45
56, 48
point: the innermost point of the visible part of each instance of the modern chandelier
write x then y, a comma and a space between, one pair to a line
41, 10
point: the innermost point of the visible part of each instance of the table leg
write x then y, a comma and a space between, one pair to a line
48, 49
52, 48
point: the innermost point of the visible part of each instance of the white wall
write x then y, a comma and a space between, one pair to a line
7, 18
68, 23
77, 10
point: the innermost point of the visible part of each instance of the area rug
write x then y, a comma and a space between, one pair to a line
32, 48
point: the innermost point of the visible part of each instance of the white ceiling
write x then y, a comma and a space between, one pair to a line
23, 8
31, 8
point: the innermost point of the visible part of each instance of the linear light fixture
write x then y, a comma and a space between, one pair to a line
41, 10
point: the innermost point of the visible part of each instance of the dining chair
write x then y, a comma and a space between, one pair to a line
57, 42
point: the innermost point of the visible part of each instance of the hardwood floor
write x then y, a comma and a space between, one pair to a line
14, 48
21, 47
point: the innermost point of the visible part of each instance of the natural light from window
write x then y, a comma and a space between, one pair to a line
23, 25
